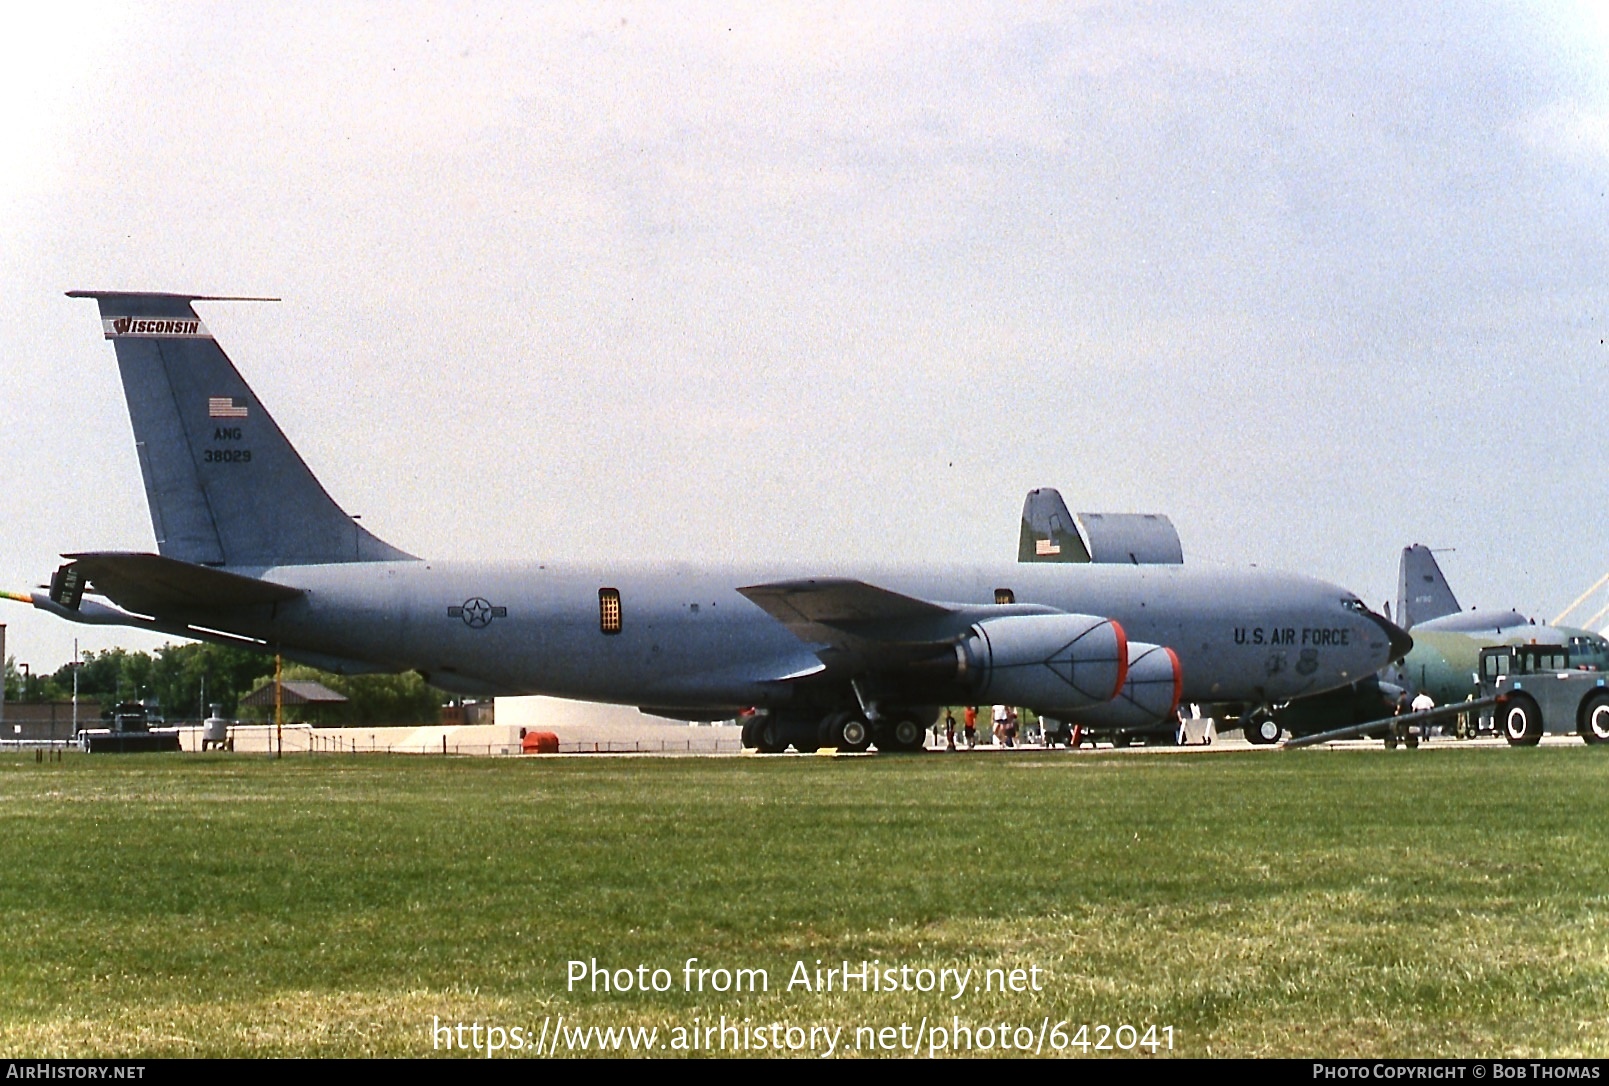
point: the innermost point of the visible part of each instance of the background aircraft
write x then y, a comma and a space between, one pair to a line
1149, 707
1448, 639
252, 549
1051, 534
1446, 652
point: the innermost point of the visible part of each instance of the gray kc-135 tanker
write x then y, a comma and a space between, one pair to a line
252, 550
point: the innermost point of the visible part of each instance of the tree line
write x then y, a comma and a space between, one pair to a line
186, 680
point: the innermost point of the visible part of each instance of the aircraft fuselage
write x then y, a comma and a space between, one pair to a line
688, 638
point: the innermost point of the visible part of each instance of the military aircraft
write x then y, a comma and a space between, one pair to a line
1447, 641
1051, 534
252, 550
1147, 707
1426, 600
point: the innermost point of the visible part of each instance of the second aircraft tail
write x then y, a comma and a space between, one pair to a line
1051, 534
1422, 591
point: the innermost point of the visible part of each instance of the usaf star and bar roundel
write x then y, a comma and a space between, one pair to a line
477, 613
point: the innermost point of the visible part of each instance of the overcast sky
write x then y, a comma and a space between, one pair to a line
833, 285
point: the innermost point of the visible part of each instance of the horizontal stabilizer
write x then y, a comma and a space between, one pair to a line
142, 295
94, 613
149, 584
91, 613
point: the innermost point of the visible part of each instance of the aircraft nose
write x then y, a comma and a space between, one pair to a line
1401, 643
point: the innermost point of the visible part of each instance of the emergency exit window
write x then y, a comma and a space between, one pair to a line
1004, 596
609, 610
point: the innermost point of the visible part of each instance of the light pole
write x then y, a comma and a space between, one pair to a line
279, 706
23, 697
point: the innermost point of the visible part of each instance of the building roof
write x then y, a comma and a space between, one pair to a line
294, 692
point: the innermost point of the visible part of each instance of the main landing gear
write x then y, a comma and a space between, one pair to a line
846, 730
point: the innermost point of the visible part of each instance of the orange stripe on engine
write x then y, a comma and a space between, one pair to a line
1178, 680
1122, 658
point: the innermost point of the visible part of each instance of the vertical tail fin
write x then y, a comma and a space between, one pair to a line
1051, 534
224, 486
1048, 531
1422, 591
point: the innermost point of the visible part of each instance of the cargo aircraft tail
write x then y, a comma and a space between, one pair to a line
1051, 534
1426, 601
1422, 591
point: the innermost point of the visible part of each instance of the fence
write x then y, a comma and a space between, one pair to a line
296, 739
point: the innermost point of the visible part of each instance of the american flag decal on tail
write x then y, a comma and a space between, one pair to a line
226, 407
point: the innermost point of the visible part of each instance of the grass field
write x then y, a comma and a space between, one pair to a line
1448, 902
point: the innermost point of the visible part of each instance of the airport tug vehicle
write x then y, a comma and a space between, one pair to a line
1537, 692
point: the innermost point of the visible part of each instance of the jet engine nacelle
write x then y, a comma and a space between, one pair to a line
1150, 693
1048, 663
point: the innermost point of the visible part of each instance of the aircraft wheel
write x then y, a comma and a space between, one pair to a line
1391, 739
1411, 741
1595, 719
847, 731
903, 733
1522, 722
1261, 730
751, 734
769, 738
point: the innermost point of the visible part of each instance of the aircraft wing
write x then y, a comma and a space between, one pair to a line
871, 626
149, 584
1030, 653
837, 602
855, 624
